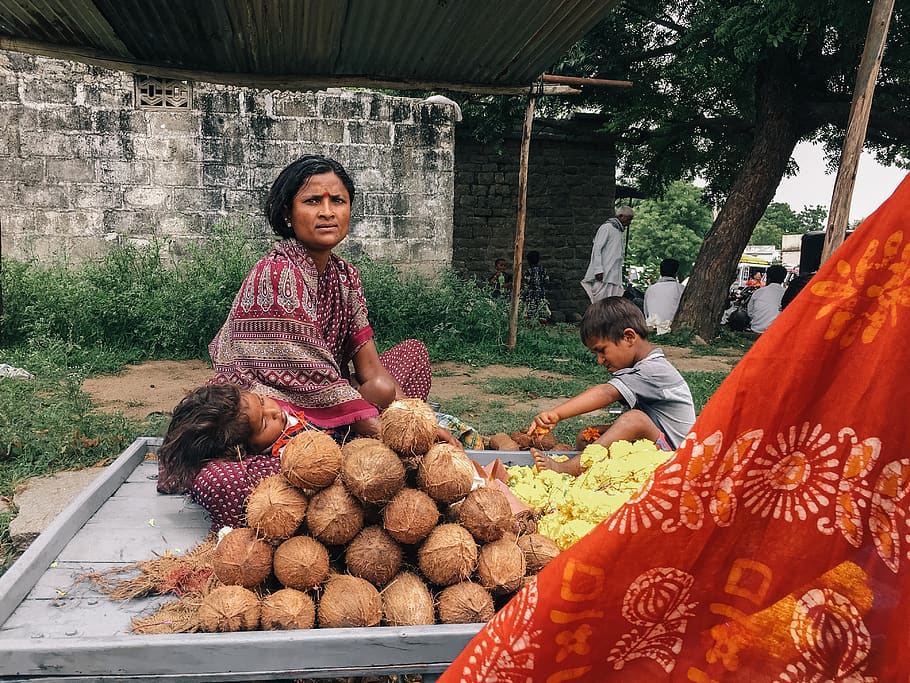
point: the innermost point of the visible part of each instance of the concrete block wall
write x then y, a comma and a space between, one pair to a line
571, 185
82, 168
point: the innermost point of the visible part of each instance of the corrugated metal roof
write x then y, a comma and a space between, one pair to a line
441, 42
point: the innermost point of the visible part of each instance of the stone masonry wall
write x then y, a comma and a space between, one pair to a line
82, 168
571, 186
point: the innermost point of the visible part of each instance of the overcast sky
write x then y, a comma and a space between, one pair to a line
812, 186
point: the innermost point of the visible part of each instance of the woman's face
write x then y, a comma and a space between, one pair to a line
320, 213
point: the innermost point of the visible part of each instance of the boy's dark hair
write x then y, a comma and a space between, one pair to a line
533, 257
288, 183
669, 267
204, 426
607, 318
776, 274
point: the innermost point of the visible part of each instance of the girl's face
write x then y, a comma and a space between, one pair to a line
267, 420
320, 213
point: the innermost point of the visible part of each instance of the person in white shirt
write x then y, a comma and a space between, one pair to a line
662, 298
764, 304
604, 275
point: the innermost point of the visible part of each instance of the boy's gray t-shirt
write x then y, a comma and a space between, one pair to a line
655, 387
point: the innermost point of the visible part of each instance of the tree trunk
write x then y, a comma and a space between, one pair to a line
776, 134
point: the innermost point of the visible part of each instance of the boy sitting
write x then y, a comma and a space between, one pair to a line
658, 401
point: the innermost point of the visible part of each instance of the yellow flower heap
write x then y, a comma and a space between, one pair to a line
572, 506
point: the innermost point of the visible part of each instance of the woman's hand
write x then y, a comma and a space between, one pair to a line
546, 420
444, 435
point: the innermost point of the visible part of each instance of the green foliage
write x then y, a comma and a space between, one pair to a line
134, 298
670, 227
779, 219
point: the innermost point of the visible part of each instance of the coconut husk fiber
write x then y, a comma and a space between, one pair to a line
372, 471
465, 603
446, 473
242, 558
449, 555
349, 601
229, 608
301, 562
311, 460
275, 508
408, 426
501, 567
407, 601
174, 616
410, 516
287, 609
334, 516
177, 574
373, 555
486, 513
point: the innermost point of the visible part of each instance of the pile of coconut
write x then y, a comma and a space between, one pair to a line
520, 441
390, 531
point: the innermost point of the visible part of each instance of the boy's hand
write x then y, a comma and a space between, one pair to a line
546, 421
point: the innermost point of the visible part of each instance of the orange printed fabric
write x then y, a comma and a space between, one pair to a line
775, 544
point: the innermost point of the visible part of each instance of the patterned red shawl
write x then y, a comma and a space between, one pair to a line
291, 333
775, 545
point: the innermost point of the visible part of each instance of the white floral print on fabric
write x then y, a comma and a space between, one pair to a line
288, 297
264, 289
657, 603
853, 491
507, 653
830, 635
889, 521
794, 478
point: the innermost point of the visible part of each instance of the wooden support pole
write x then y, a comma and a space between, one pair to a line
876, 37
520, 221
577, 80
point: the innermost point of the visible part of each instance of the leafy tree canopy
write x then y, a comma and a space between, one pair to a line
670, 227
779, 219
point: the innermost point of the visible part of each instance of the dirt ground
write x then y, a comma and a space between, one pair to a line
156, 387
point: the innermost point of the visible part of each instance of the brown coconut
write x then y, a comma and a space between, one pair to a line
486, 513
229, 608
242, 559
465, 603
349, 601
410, 516
503, 442
286, 609
545, 442
301, 562
334, 516
373, 555
538, 550
372, 471
275, 509
311, 460
449, 555
407, 601
501, 567
563, 447
522, 439
408, 426
445, 473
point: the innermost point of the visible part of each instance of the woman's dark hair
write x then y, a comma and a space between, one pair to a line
607, 318
288, 183
205, 426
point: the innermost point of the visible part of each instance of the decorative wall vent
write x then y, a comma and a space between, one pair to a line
163, 93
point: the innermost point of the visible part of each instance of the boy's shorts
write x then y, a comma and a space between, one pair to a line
662, 444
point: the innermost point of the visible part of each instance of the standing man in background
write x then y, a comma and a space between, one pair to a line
604, 275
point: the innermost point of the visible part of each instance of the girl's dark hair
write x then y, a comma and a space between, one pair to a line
288, 183
205, 426
607, 318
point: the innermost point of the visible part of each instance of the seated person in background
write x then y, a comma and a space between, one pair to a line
662, 298
764, 304
658, 401
534, 292
755, 280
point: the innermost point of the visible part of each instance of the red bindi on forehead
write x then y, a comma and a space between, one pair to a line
326, 195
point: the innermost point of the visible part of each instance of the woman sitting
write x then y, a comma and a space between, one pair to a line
299, 321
